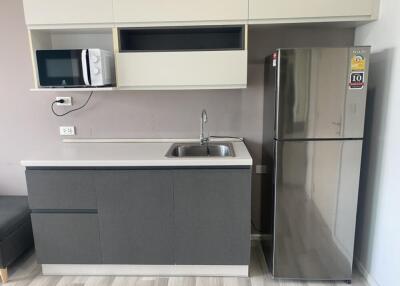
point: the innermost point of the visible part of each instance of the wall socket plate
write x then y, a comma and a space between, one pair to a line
67, 130
67, 100
261, 169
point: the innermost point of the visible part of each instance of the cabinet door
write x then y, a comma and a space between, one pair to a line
294, 10
153, 11
53, 12
212, 216
136, 216
182, 70
66, 238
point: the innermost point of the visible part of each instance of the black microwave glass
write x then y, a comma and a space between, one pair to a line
60, 68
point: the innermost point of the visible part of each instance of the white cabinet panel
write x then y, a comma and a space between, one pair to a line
51, 12
292, 10
153, 11
182, 70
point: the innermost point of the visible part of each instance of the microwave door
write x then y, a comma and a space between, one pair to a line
86, 67
60, 68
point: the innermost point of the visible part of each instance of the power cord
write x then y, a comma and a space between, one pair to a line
72, 110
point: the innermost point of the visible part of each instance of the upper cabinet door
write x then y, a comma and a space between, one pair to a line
306, 10
53, 12
157, 11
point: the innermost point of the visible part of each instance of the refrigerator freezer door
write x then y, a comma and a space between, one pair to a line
316, 191
314, 98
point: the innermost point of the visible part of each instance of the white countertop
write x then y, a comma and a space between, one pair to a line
129, 153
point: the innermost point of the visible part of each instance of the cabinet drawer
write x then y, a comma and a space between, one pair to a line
153, 11
292, 9
66, 238
61, 189
182, 70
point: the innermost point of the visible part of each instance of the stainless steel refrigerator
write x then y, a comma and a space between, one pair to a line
320, 98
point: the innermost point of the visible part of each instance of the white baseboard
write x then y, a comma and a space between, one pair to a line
146, 270
369, 279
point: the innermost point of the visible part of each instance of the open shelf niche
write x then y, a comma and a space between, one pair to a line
57, 39
208, 38
181, 57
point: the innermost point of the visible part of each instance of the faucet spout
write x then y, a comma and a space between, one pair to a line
203, 121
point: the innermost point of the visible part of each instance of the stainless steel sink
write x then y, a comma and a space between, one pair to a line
212, 149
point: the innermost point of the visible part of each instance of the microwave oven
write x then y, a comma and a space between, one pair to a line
75, 68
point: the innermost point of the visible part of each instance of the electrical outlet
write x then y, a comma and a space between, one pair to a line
261, 169
67, 130
67, 100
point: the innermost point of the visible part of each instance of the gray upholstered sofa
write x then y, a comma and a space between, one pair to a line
15, 231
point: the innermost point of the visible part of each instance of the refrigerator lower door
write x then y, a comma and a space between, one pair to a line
316, 191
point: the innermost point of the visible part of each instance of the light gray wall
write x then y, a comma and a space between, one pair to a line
27, 123
378, 227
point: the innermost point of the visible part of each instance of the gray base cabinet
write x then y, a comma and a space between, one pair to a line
187, 216
136, 216
61, 189
66, 238
212, 215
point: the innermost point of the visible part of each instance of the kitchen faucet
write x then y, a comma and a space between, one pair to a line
203, 120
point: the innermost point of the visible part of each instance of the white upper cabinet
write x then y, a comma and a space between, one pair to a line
184, 57
137, 13
62, 12
160, 11
182, 70
292, 11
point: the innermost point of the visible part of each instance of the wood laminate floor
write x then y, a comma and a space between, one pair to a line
28, 273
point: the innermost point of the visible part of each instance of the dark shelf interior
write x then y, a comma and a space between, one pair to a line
181, 39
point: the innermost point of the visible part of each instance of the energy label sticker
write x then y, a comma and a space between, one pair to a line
357, 80
358, 62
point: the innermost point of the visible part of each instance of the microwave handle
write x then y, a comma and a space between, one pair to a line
85, 69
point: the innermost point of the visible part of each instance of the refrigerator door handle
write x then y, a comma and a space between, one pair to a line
339, 125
